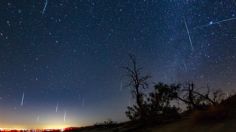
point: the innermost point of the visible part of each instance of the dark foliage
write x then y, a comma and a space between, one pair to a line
196, 99
106, 124
158, 106
158, 103
226, 109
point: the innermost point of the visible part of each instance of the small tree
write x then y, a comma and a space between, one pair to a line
159, 102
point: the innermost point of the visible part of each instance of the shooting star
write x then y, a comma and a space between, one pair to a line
65, 116
37, 118
57, 108
217, 22
22, 99
189, 37
45, 7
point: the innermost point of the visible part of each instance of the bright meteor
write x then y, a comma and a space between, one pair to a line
217, 22
22, 99
189, 37
45, 6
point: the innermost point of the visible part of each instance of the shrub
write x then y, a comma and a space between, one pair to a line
211, 115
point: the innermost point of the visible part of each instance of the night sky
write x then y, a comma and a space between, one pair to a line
60, 60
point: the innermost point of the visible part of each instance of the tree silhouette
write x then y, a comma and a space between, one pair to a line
195, 99
136, 82
159, 103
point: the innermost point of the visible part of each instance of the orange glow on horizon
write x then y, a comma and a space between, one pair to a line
40, 128
54, 128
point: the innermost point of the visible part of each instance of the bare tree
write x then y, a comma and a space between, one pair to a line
136, 82
195, 99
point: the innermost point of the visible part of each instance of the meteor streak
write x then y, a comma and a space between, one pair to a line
217, 22
37, 118
57, 107
189, 37
45, 6
65, 116
22, 99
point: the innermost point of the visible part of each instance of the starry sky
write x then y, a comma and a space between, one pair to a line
60, 60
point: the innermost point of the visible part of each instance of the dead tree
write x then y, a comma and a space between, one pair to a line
198, 100
136, 82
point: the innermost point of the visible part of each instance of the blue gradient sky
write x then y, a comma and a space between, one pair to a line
71, 54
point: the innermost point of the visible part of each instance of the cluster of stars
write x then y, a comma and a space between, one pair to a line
69, 51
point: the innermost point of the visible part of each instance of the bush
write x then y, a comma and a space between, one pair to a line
211, 115
106, 124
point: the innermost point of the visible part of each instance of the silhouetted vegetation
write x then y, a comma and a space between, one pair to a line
197, 100
159, 106
137, 82
106, 124
167, 103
